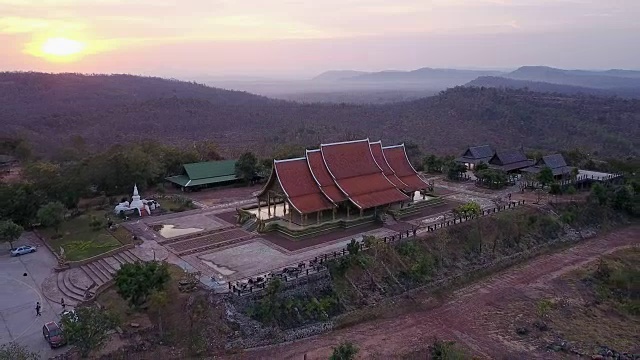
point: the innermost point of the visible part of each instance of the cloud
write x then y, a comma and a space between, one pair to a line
21, 25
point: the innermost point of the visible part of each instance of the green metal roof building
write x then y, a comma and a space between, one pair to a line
204, 174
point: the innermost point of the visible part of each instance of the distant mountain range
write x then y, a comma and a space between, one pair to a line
609, 79
428, 78
546, 87
624, 83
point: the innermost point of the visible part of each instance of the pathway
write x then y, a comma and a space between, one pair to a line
72, 284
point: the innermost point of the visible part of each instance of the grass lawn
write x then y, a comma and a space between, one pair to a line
79, 241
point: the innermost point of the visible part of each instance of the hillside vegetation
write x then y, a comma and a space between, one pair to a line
50, 110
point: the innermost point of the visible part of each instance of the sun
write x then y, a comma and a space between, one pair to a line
62, 48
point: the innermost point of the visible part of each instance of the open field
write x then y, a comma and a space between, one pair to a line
480, 317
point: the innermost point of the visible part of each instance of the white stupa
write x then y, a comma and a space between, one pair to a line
140, 206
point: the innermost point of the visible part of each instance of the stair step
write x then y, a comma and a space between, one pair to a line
113, 263
64, 289
105, 268
215, 245
99, 272
129, 256
92, 275
120, 259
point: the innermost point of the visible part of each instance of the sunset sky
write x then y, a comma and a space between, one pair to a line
305, 37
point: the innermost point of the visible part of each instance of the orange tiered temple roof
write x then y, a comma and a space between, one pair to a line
355, 171
378, 155
397, 158
323, 178
364, 173
298, 184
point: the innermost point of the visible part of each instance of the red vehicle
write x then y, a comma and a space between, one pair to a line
53, 334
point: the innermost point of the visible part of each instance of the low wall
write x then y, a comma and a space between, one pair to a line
74, 264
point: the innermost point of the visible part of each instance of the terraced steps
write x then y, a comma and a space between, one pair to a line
194, 235
73, 283
207, 242
216, 245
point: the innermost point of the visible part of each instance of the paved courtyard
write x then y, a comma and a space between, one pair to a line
18, 321
260, 256
240, 257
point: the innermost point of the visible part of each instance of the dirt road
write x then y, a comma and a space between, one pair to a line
464, 316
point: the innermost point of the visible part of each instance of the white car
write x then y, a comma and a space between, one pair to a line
71, 314
25, 249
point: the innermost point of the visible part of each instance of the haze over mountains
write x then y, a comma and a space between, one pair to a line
394, 85
52, 109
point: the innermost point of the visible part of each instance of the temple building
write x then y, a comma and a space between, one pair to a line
346, 181
475, 155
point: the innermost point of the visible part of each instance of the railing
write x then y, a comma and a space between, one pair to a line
315, 265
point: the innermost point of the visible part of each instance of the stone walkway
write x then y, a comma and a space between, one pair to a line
72, 284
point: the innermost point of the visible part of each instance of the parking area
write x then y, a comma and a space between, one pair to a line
20, 280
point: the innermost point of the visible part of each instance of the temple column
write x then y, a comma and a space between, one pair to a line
268, 204
318, 216
259, 208
304, 218
361, 211
275, 203
347, 211
334, 212
290, 225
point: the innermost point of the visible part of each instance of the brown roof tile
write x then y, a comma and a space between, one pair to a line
323, 178
397, 159
357, 174
298, 184
378, 155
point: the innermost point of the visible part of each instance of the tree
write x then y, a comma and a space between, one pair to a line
20, 203
10, 232
51, 215
432, 164
247, 166
545, 176
158, 302
446, 350
345, 351
571, 191
15, 351
88, 329
207, 150
599, 193
414, 154
574, 173
470, 209
482, 166
135, 282
454, 169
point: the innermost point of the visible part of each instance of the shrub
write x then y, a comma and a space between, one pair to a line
345, 351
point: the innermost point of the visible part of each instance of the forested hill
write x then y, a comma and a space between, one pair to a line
75, 91
49, 110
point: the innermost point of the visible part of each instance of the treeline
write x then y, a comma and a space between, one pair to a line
109, 173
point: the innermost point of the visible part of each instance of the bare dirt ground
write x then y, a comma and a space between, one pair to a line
473, 316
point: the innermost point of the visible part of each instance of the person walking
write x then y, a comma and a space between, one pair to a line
38, 308
62, 303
